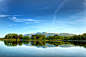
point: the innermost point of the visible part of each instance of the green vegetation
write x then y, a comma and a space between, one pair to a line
17, 37
43, 43
41, 40
38, 43
75, 37
38, 37
56, 37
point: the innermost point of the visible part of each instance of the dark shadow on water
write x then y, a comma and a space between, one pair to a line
45, 44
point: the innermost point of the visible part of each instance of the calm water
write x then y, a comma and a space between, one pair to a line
40, 48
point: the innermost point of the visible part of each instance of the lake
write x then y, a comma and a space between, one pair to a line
42, 48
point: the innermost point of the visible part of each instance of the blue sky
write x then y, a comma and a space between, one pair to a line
53, 16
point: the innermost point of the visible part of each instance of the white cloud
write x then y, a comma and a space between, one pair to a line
3, 6
36, 22
78, 19
25, 20
58, 8
44, 8
10, 25
77, 22
9, 15
27, 23
4, 15
13, 25
84, 3
21, 20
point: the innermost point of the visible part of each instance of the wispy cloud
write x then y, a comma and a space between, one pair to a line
71, 10
27, 23
37, 22
82, 6
32, 22
43, 27
44, 8
25, 20
78, 19
58, 8
3, 6
84, 3
10, 25
13, 25
4, 15
21, 20
9, 15
76, 22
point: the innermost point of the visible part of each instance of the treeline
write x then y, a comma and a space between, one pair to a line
20, 36
43, 37
74, 37
38, 37
16, 36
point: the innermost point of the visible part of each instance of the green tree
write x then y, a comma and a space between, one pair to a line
20, 36
85, 35
26, 38
7, 36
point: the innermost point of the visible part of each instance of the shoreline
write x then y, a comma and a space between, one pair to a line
37, 40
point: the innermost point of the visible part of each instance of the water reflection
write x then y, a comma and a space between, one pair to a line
46, 44
42, 48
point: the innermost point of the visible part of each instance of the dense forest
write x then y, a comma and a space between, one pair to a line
43, 37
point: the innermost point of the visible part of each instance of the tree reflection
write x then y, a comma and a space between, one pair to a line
38, 43
43, 43
15, 43
10, 43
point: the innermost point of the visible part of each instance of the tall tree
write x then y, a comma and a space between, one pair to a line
20, 36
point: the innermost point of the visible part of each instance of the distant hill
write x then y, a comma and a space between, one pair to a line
49, 34
46, 34
65, 34
28, 35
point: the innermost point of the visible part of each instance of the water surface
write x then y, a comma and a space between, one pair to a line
42, 48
